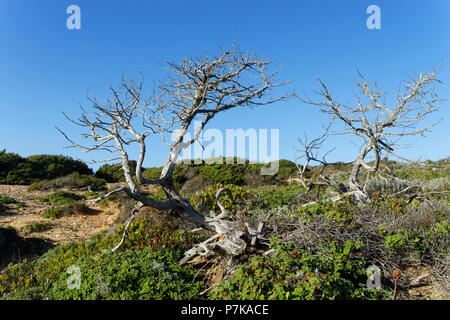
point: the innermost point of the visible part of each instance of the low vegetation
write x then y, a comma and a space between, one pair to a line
71, 181
314, 248
17, 170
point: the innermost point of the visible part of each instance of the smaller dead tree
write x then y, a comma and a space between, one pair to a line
379, 120
196, 90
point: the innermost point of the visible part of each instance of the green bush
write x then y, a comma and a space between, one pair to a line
53, 213
341, 212
142, 234
73, 181
335, 272
423, 242
131, 275
62, 198
145, 267
113, 172
422, 174
388, 204
17, 170
286, 169
276, 196
7, 200
38, 227
63, 203
240, 194
223, 173
151, 173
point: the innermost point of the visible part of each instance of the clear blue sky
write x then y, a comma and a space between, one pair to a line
46, 69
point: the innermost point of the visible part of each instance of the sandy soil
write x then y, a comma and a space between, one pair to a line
75, 227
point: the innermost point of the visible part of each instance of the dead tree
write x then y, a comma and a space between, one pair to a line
197, 90
378, 120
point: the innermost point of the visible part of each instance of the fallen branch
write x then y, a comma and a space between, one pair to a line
135, 209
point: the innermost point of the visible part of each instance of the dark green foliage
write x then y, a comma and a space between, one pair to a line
62, 203
286, 169
131, 275
7, 200
61, 198
113, 172
17, 170
335, 272
151, 173
240, 174
224, 173
339, 213
72, 181
240, 194
423, 241
9, 162
276, 196
53, 213
38, 227
145, 267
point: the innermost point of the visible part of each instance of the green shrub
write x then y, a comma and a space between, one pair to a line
113, 172
7, 200
62, 198
341, 212
145, 267
142, 234
422, 174
240, 194
335, 272
388, 204
38, 227
53, 213
423, 242
276, 196
8, 162
131, 275
151, 173
63, 203
223, 173
73, 181
286, 169
195, 184
17, 170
